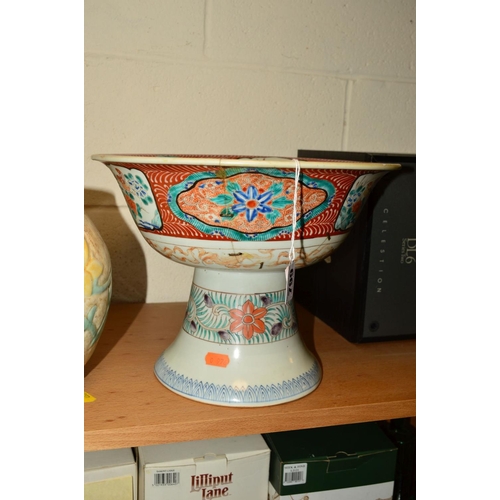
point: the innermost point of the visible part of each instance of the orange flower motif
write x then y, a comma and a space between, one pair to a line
131, 203
248, 320
356, 206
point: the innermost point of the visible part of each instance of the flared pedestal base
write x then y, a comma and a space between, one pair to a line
239, 344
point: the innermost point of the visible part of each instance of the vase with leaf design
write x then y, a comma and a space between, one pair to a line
235, 219
97, 287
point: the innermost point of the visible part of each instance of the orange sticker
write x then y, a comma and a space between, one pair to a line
214, 359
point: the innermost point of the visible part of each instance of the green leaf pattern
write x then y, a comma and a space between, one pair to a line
208, 316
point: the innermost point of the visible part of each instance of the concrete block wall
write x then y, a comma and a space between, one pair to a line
259, 77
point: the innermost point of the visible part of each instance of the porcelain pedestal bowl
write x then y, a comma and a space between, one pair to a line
232, 218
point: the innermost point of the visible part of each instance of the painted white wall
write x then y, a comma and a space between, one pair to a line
260, 77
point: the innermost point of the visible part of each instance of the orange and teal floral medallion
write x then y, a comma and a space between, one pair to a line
139, 197
248, 204
355, 200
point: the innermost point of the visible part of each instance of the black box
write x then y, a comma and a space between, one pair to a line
366, 290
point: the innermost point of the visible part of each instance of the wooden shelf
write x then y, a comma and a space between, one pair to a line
360, 383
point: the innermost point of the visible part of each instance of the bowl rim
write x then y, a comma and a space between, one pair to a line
243, 161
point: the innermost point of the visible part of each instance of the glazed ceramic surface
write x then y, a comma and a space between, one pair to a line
232, 218
97, 286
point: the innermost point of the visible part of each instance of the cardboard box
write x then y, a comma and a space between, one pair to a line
202, 470
348, 462
110, 475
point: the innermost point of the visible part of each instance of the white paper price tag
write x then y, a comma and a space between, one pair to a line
290, 280
294, 474
290, 269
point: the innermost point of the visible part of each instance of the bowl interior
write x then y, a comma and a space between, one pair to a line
240, 161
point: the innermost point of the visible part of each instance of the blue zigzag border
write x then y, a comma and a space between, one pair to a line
227, 394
